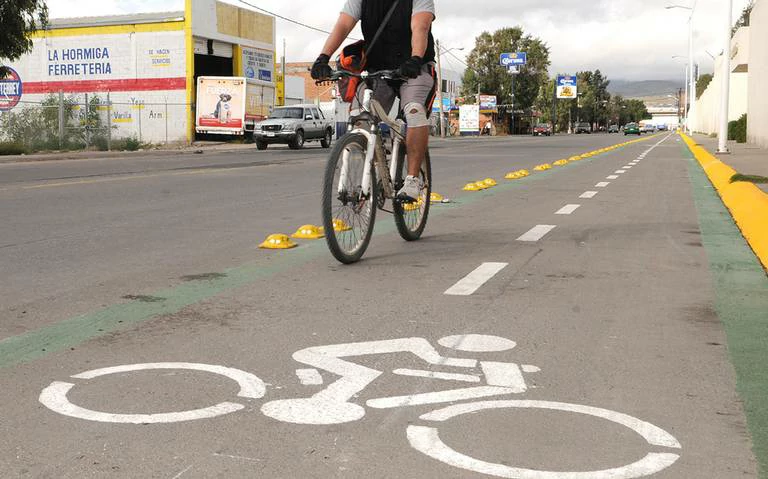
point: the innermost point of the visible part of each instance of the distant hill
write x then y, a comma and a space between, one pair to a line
643, 89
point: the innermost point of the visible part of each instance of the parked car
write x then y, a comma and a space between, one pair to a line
583, 127
613, 129
542, 129
663, 127
648, 128
631, 129
294, 125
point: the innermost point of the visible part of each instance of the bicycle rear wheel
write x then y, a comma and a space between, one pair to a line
348, 214
411, 219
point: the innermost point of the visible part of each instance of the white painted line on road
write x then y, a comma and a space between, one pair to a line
506, 375
536, 233
612, 177
474, 280
628, 167
309, 377
567, 209
588, 195
620, 172
602, 184
426, 439
451, 395
419, 373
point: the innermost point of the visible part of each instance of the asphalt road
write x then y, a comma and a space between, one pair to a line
614, 358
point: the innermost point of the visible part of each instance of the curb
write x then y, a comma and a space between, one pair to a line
747, 203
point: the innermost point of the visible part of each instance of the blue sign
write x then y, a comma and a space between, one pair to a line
10, 90
447, 104
265, 75
514, 59
250, 73
566, 80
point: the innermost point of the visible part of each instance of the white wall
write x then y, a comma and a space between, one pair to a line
708, 105
757, 121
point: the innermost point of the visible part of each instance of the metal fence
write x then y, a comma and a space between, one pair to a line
87, 121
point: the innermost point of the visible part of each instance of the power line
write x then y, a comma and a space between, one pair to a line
289, 20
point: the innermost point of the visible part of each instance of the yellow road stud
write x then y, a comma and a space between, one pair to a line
340, 226
413, 206
574, 158
481, 185
544, 167
471, 187
490, 182
512, 176
560, 163
436, 198
308, 232
278, 241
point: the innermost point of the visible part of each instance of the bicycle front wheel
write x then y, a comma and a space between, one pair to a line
411, 218
348, 212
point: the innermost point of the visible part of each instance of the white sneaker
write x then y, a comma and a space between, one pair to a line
411, 190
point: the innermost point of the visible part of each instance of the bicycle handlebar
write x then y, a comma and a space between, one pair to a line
384, 74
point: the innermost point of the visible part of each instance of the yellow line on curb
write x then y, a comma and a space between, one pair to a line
747, 203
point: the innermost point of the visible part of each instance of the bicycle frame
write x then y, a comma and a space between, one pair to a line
375, 154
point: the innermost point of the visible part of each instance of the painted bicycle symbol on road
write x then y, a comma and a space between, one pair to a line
336, 403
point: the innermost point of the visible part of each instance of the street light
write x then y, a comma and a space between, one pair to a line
692, 109
440, 84
725, 93
687, 85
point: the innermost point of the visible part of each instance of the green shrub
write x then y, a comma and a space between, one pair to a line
132, 143
10, 148
737, 130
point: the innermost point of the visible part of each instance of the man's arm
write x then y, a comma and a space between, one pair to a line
344, 26
420, 24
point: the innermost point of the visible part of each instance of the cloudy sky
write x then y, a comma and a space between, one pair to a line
627, 39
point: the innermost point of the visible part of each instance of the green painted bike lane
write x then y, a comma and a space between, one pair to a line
741, 301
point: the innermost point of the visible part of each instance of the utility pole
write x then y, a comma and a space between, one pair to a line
725, 91
554, 105
440, 89
692, 108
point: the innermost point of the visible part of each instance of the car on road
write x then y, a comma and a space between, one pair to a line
294, 125
583, 127
542, 129
663, 128
613, 129
632, 129
648, 128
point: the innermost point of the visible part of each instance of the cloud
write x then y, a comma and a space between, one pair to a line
626, 39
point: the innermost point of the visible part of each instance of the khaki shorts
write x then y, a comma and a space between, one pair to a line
416, 90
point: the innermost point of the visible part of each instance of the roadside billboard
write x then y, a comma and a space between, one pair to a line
469, 119
10, 90
513, 59
221, 105
567, 87
488, 102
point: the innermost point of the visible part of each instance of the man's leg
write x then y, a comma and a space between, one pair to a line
416, 96
416, 144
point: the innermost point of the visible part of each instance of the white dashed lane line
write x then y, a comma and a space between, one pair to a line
588, 195
612, 177
536, 233
620, 172
474, 280
602, 184
567, 209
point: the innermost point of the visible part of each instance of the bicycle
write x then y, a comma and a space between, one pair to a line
478, 386
360, 177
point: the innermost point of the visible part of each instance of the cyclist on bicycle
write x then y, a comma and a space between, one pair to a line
405, 44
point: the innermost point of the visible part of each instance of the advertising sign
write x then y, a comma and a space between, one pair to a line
567, 87
258, 64
469, 118
514, 59
487, 102
221, 105
10, 90
447, 104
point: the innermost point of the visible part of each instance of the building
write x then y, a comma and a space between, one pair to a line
313, 93
147, 65
757, 108
707, 119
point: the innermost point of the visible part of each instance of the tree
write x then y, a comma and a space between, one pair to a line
636, 110
702, 83
18, 20
744, 19
485, 72
543, 106
593, 97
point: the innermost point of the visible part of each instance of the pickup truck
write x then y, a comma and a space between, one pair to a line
294, 125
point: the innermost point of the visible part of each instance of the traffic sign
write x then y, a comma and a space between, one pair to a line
567, 87
514, 59
10, 90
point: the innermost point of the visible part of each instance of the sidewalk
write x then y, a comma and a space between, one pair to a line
199, 148
745, 158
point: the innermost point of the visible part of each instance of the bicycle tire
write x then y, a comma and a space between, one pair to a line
333, 207
411, 222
